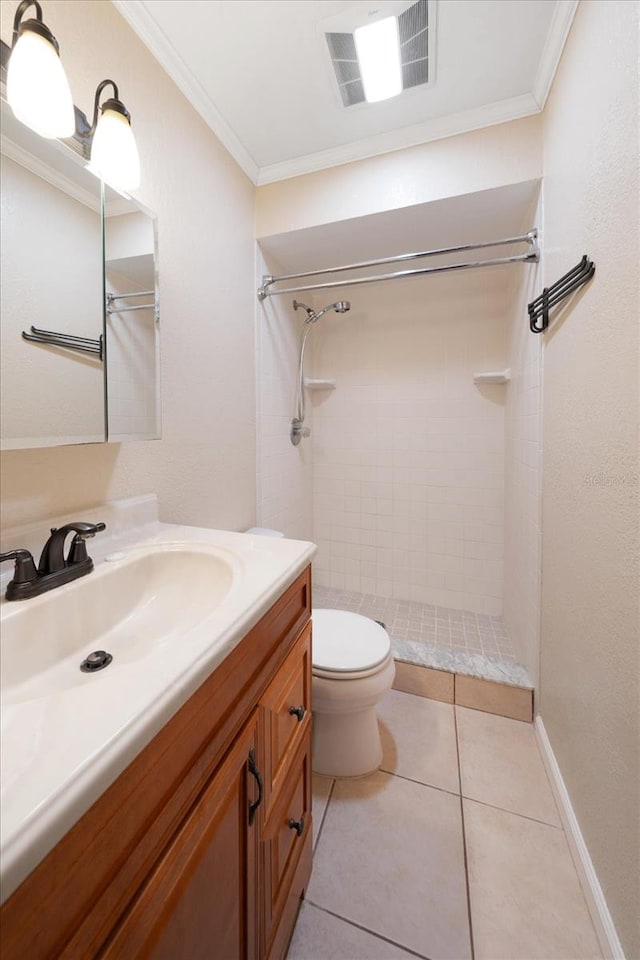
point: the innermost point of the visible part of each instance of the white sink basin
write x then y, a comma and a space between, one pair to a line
132, 608
170, 610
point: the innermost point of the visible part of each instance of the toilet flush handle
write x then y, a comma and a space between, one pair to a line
298, 712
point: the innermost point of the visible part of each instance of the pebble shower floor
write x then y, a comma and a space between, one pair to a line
458, 641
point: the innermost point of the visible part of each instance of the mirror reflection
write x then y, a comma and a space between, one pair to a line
79, 323
132, 320
52, 386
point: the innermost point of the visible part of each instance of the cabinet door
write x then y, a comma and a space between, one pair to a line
200, 902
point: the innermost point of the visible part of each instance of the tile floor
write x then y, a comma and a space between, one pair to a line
452, 850
456, 640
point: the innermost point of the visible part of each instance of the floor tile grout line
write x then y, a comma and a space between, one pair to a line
464, 843
420, 783
324, 816
359, 926
513, 813
463, 796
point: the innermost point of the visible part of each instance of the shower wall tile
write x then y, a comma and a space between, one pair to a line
408, 452
285, 478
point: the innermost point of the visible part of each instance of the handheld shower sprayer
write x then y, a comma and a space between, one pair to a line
340, 306
297, 424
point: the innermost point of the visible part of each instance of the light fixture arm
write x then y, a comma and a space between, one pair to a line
36, 26
114, 103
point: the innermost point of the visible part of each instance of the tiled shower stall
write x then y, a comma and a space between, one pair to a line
419, 485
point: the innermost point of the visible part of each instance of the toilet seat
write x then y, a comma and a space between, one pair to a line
348, 646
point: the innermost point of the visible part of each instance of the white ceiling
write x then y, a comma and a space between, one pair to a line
259, 73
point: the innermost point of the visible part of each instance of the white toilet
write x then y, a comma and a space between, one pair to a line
352, 669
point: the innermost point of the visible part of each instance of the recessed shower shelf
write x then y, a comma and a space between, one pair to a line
494, 376
319, 384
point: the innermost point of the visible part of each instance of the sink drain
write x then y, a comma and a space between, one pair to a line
97, 660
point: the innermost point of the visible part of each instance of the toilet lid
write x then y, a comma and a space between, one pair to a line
347, 642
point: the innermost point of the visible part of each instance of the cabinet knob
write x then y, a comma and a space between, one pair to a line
297, 825
298, 712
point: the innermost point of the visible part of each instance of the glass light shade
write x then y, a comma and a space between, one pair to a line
378, 49
37, 87
114, 154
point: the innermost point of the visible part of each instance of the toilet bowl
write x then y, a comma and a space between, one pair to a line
352, 668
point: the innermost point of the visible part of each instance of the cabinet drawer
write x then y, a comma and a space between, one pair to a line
286, 832
286, 709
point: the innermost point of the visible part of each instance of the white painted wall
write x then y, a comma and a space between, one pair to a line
204, 468
504, 154
590, 671
408, 451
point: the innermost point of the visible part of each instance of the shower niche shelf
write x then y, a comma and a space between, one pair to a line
319, 384
493, 376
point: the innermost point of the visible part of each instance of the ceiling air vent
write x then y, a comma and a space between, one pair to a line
342, 48
413, 33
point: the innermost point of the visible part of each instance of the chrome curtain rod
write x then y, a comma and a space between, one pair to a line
531, 256
142, 306
125, 296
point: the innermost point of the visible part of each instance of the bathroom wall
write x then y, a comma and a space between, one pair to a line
504, 154
408, 451
285, 477
204, 468
590, 671
523, 452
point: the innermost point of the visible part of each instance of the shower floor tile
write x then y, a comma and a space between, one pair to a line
458, 641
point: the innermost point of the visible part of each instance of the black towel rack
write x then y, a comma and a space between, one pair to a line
550, 296
66, 340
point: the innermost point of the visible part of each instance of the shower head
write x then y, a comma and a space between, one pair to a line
340, 306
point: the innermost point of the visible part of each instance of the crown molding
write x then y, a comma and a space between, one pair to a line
141, 21
439, 128
35, 165
565, 11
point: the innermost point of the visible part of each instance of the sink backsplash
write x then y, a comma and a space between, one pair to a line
124, 519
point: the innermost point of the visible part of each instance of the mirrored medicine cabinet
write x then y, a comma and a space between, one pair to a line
79, 322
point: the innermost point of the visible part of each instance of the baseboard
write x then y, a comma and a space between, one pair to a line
602, 920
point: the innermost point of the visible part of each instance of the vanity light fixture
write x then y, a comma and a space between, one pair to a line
378, 49
37, 86
114, 154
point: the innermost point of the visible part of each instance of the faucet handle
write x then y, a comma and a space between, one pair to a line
25, 569
78, 550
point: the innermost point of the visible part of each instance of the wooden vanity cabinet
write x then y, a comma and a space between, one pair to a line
201, 849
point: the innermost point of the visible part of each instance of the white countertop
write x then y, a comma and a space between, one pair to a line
60, 751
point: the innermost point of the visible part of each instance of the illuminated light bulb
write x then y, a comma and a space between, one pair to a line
37, 87
114, 154
378, 49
